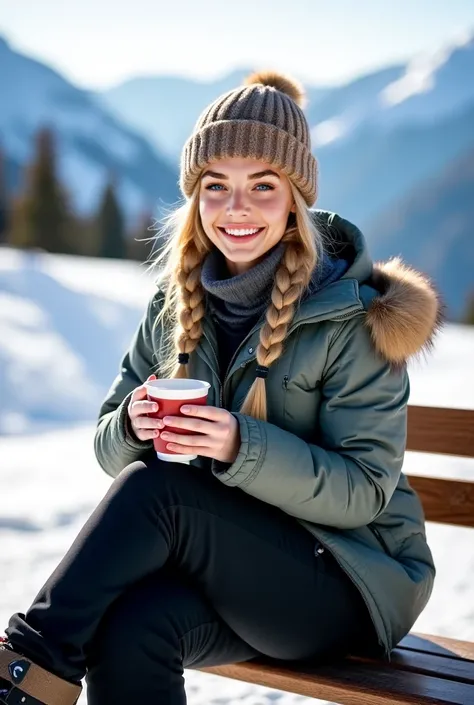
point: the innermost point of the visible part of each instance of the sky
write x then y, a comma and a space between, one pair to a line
99, 43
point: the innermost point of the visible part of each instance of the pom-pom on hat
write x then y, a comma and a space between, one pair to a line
262, 119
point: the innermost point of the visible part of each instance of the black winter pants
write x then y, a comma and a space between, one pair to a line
173, 569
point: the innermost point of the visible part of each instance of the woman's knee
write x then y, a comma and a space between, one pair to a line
154, 475
140, 473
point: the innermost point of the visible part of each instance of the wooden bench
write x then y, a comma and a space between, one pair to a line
423, 669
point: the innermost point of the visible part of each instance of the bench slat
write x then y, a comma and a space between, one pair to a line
438, 430
438, 645
454, 669
351, 683
445, 501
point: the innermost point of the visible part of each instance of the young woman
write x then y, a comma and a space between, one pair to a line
294, 534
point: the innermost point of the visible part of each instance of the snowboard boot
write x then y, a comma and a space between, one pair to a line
22, 682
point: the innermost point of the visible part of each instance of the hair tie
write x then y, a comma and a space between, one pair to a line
183, 358
262, 371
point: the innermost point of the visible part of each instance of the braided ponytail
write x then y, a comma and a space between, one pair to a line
191, 307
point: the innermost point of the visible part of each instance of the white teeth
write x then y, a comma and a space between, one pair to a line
241, 231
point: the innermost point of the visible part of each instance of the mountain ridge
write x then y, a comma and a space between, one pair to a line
91, 143
440, 211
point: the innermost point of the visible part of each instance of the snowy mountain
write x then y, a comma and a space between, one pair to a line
345, 107
382, 136
369, 173
90, 142
430, 88
435, 223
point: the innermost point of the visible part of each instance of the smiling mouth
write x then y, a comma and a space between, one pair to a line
241, 232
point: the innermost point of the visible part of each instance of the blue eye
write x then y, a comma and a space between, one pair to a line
265, 187
211, 187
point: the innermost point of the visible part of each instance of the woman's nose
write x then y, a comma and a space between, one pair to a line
237, 203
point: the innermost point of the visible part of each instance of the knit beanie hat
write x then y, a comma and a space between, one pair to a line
262, 119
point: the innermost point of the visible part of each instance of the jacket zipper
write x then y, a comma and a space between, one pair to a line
343, 316
348, 315
222, 384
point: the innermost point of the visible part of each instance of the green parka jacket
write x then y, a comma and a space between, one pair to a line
331, 452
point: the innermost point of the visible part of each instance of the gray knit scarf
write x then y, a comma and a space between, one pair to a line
235, 299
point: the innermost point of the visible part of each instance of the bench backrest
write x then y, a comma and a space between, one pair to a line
451, 432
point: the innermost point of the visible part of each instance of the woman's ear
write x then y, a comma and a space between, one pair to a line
293, 208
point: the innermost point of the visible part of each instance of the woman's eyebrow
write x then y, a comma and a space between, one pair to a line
258, 175
214, 175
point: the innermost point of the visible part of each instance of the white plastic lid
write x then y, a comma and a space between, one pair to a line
177, 388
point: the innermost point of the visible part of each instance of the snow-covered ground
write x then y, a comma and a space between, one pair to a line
64, 323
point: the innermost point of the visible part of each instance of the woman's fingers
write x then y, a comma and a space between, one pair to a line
190, 424
139, 408
144, 427
145, 434
186, 440
146, 422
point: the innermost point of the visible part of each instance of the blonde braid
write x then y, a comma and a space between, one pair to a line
291, 279
190, 307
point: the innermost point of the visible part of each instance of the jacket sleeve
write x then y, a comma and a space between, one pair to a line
115, 444
349, 477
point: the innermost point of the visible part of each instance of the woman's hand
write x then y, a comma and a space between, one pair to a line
219, 435
144, 427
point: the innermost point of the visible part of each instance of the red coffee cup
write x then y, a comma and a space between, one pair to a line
171, 395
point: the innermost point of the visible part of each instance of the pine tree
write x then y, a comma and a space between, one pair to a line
4, 209
41, 216
86, 229
110, 225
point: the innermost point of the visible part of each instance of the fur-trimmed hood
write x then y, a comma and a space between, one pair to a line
404, 309
405, 315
